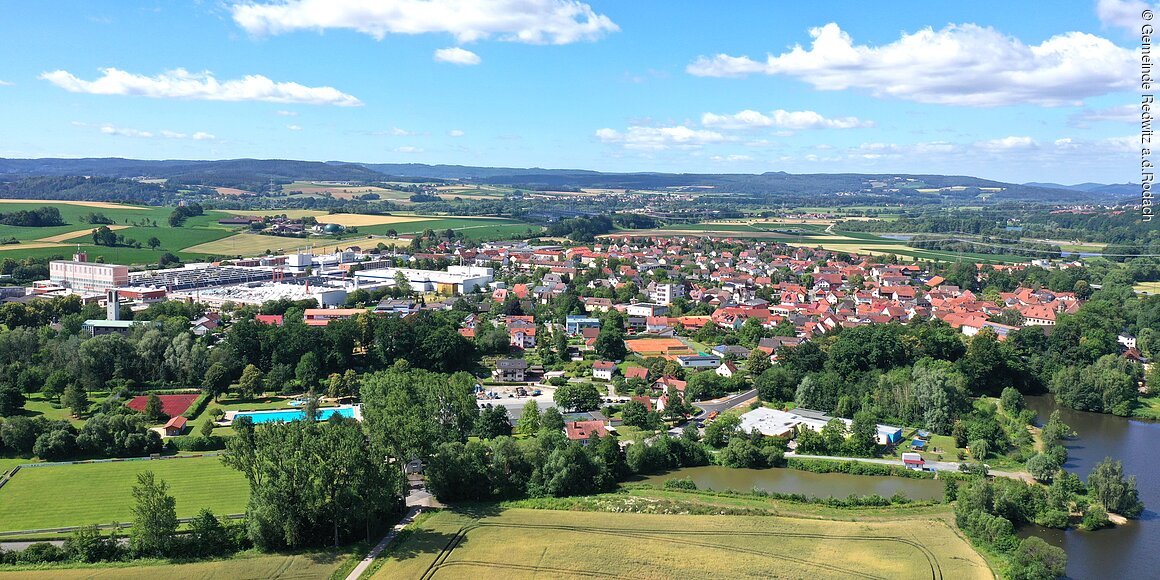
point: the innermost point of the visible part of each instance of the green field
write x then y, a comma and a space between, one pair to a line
100, 493
523, 543
243, 567
1147, 288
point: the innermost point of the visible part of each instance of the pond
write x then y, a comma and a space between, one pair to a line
1128, 551
719, 478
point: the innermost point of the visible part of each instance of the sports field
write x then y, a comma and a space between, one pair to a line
523, 543
101, 493
242, 567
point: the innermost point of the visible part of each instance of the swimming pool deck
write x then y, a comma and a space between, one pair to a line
228, 419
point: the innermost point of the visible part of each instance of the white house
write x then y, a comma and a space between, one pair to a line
603, 370
727, 369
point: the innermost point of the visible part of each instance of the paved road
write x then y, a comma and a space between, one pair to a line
936, 465
723, 404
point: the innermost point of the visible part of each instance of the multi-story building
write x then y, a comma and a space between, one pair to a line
80, 274
664, 294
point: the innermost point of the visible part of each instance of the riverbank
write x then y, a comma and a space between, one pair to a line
1126, 549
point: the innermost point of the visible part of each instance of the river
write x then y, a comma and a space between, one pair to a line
719, 478
1128, 551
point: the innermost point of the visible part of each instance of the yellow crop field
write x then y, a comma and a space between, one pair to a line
99, 204
522, 543
356, 220
248, 245
70, 235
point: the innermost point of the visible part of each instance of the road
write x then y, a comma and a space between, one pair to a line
723, 404
935, 465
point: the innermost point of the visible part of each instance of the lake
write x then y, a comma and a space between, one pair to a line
719, 478
1128, 551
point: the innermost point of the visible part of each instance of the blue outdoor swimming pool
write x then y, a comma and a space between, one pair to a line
293, 415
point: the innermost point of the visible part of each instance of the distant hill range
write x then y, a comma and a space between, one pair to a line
1112, 189
259, 174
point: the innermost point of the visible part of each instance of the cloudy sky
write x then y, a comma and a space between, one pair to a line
1015, 91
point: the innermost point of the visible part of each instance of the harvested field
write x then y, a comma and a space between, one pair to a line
71, 235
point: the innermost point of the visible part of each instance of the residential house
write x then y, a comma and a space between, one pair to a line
510, 370
603, 370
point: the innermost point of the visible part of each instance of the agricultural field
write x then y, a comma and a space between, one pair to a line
248, 566
521, 543
1151, 288
248, 245
342, 191
76, 495
818, 233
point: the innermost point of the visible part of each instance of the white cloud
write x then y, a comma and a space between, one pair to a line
286, 113
408, 149
1122, 114
294, 127
965, 64
455, 133
1007, 144
730, 158
123, 132
182, 84
203, 136
660, 138
457, 55
397, 132
793, 120
5, 83
1124, 14
527, 21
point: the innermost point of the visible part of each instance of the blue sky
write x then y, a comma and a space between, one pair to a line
1004, 90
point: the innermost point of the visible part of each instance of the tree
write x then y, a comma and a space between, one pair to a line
153, 409
88, 544
1012, 401
863, 441
757, 363
217, 380
979, 449
634, 414
11, 400
76, 399
1035, 559
494, 422
721, 430
207, 536
676, 407
250, 384
577, 397
1113, 491
153, 243
610, 340
154, 516
402, 284
551, 420
529, 421
308, 370
1042, 467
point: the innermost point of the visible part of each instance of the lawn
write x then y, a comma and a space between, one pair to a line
242, 567
77, 495
1149, 408
517, 543
37, 405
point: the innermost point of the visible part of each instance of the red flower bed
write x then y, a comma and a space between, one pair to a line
171, 405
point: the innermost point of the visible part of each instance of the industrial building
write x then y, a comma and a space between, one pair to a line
456, 280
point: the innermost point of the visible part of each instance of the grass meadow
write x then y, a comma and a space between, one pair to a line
101, 493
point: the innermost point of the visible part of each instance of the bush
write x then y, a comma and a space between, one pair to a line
40, 553
199, 443
684, 484
855, 468
1095, 517
199, 405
